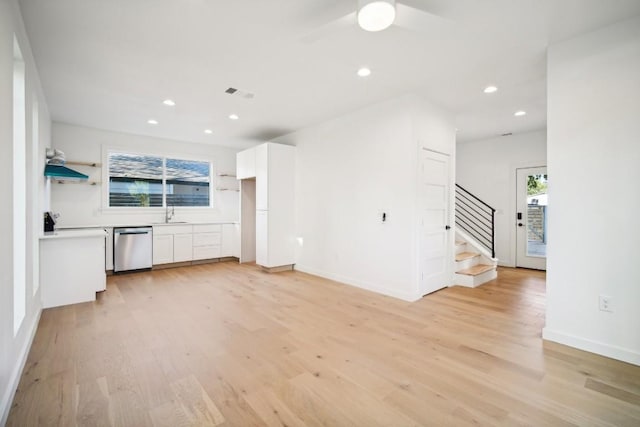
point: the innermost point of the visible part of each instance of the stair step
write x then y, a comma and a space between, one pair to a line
476, 270
460, 242
466, 255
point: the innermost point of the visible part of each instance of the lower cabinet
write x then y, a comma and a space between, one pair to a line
182, 247
207, 239
162, 248
230, 240
183, 243
72, 267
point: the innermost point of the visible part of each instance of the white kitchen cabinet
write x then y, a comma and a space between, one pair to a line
274, 206
262, 177
274, 240
162, 248
72, 266
207, 241
182, 247
206, 252
230, 240
186, 242
246, 164
108, 261
262, 238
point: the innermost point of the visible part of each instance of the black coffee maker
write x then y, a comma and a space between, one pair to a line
49, 222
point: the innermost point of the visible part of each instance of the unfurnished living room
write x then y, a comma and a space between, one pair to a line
319, 213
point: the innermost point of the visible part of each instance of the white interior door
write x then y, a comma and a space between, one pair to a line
531, 218
434, 232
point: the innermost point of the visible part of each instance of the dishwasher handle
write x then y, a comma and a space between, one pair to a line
132, 232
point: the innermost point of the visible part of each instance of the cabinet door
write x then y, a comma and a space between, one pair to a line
229, 240
182, 247
262, 238
108, 260
262, 177
246, 164
162, 249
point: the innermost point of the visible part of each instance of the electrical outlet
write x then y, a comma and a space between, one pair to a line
606, 303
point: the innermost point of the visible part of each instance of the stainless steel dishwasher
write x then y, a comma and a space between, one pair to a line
132, 248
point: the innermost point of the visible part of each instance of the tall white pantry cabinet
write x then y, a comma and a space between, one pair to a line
267, 204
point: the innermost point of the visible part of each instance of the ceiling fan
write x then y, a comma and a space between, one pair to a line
378, 15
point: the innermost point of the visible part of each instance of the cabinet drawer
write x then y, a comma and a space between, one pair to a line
206, 252
159, 230
207, 228
207, 239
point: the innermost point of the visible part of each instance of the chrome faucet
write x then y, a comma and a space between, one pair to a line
168, 216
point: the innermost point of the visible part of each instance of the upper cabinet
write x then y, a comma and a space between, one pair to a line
272, 165
246, 164
262, 177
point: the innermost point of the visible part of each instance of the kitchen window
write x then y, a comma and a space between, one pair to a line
138, 180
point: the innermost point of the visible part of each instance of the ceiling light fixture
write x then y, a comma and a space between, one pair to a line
376, 15
364, 72
208, 131
520, 113
490, 89
234, 116
152, 121
169, 102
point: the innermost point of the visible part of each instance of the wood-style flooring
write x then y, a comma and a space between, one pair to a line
229, 345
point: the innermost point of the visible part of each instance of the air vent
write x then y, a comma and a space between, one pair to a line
240, 93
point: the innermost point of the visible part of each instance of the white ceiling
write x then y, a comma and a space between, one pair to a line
110, 64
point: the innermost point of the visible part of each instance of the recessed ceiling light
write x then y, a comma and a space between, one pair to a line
208, 131
152, 121
364, 72
490, 89
376, 15
520, 113
234, 116
169, 102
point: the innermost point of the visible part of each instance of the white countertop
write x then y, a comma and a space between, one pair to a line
73, 234
146, 224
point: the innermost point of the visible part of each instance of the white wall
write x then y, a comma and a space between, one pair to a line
82, 204
487, 169
594, 162
348, 171
14, 348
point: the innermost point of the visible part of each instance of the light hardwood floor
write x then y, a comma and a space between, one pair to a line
227, 344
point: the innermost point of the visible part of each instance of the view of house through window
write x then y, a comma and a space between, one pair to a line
137, 180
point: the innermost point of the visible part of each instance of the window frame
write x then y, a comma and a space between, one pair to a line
107, 149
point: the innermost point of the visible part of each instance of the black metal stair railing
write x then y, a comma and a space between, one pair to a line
476, 218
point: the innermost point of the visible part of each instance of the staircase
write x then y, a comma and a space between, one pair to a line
475, 261
472, 266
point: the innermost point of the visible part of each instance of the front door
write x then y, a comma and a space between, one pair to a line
531, 218
434, 207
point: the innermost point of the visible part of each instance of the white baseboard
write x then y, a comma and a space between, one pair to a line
14, 380
405, 296
607, 350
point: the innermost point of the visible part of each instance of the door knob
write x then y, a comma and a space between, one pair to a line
520, 224
447, 227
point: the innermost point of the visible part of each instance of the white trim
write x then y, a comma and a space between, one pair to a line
603, 349
14, 379
405, 296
